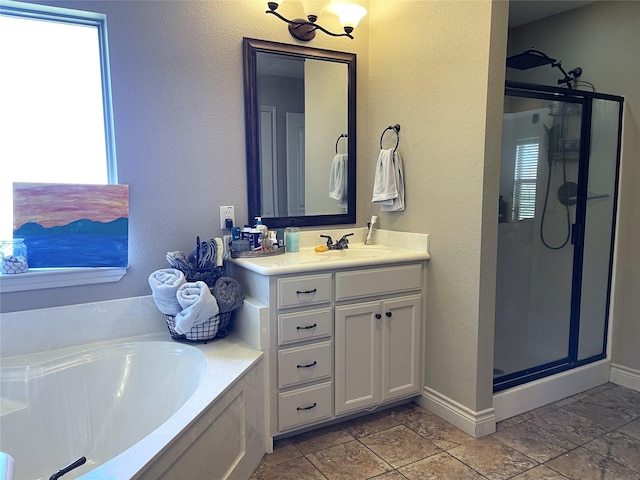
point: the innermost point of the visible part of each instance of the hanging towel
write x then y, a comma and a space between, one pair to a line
198, 304
397, 204
388, 184
164, 287
338, 180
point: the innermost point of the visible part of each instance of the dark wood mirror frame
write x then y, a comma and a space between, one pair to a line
251, 48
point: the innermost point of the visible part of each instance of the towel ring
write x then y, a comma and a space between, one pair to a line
395, 128
343, 135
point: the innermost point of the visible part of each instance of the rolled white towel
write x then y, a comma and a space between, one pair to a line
198, 304
164, 287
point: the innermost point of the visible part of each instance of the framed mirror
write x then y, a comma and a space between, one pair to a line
300, 121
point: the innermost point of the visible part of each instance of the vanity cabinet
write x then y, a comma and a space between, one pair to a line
341, 341
377, 351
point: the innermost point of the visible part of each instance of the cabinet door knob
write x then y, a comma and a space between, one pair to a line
308, 365
308, 408
388, 314
378, 316
307, 327
298, 292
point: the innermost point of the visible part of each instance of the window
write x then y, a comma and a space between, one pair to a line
55, 101
56, 123
525, 177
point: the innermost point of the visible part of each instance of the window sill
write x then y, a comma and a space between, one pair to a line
38, 278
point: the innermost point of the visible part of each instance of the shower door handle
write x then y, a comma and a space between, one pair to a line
576, 234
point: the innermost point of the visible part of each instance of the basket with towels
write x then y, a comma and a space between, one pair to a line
195, 311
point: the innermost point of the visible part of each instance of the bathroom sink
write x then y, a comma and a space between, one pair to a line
358, 251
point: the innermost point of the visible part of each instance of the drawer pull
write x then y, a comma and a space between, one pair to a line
307, 408
388, 314
298, 292
378, 316
308, 365
307, 327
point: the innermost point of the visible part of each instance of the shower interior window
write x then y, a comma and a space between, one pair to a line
525, 177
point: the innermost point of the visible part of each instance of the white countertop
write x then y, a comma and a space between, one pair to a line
414, 248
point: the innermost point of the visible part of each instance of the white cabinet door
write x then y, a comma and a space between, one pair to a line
357, 350
401, 340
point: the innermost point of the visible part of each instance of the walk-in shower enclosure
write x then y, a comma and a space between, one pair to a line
558, 190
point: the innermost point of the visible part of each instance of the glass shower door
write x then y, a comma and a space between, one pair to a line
599, 227
538, 190
558, 188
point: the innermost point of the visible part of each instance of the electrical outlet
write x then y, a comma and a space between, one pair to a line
227, 213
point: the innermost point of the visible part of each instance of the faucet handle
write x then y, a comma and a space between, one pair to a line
329, 239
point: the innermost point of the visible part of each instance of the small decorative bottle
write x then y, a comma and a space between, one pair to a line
13, 256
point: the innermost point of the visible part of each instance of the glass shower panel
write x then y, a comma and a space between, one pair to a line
599, 225
538, 179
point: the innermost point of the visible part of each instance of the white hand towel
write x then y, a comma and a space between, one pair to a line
385, 188
338, 179
164, 286
397, 204
198, 304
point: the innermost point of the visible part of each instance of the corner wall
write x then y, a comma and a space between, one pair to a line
438, 71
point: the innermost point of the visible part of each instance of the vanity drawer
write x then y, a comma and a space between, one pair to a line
304, 364
378, 281
305, 405
304, 290
306, 325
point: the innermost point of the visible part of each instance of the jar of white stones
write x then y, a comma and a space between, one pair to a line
13, 256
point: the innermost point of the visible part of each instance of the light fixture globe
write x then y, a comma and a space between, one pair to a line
350, 15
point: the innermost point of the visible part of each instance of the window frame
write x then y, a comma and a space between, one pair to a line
39, 278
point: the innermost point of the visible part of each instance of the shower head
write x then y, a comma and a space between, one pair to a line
532, 58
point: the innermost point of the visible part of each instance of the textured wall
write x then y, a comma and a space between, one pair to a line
431, 74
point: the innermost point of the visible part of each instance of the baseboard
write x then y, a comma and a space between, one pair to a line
529, 396
476, 424
625, 376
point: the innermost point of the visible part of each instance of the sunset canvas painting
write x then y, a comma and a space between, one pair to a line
66, 225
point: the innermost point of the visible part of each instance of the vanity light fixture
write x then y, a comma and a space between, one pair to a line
349, 14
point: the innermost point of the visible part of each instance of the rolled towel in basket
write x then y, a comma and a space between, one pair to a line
198, 304
228, 293
164, 287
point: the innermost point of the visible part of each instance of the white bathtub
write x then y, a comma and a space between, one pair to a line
135, 409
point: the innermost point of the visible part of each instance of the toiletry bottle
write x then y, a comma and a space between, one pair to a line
263, 232
292, 238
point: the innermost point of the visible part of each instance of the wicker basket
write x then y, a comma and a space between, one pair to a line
206, 275
216, 327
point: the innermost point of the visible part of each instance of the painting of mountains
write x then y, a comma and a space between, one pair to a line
72, 225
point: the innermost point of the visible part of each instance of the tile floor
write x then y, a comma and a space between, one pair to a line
592, 435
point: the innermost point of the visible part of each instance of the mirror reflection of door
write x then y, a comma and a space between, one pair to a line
269, 160
295, 164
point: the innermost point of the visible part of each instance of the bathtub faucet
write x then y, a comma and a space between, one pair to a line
68, 468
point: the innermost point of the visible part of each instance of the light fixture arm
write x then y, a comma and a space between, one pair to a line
305, 29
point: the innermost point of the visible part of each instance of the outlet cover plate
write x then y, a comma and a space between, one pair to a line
227, 212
